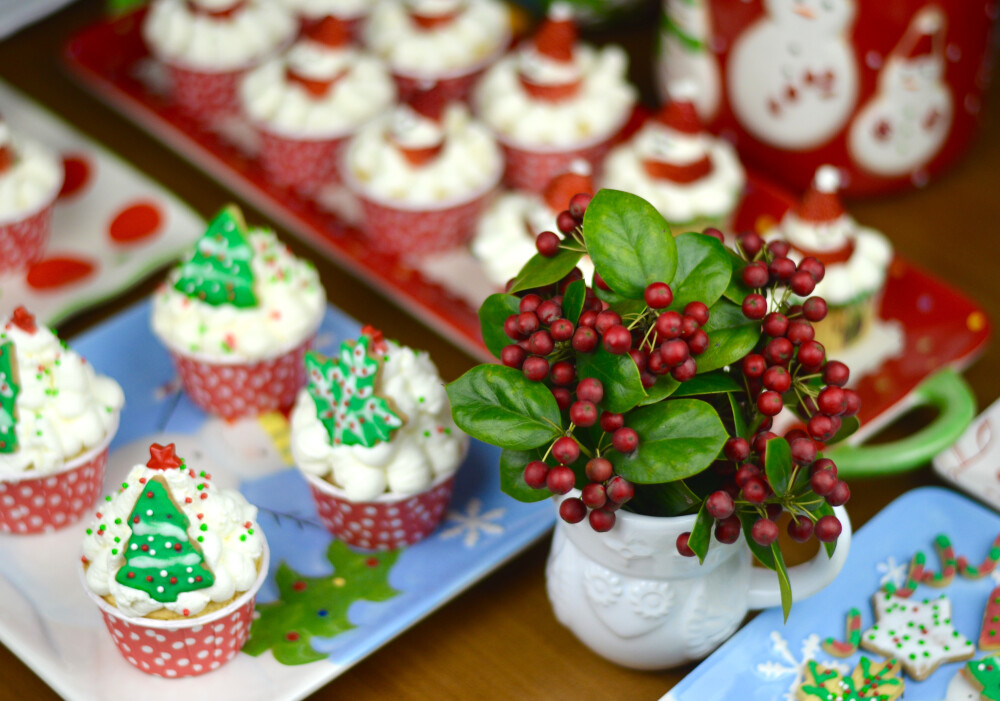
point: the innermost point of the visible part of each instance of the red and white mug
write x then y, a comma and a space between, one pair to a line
889, 91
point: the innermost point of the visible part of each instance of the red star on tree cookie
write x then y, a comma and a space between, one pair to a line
24, 320
163, 457
378, 338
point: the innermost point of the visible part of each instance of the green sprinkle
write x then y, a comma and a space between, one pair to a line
243, 537
124, 485
89, 532
114, 551
250, 531
201, 539
118, 522
203, 527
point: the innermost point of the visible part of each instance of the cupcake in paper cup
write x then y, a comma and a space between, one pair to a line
351, 13
207, 45
237, 317
174, 565
856, 260
694, 179
306, 103
444, 43
422, 175
57, 418
505, 236
554, 100
373, 435
30, 179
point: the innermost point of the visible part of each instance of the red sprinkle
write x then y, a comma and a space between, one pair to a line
299, 586
292, 636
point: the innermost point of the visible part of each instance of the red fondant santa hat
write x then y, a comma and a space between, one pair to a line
679, 113
428, 17
556, 36
330, 32
562, 187
929, 24
821, 204
428, 103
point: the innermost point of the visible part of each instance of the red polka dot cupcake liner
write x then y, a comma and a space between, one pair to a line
23, 242
235, 390
304, 165
386, 523
183, 647
50, 502
454, 85
205, 96
532, 170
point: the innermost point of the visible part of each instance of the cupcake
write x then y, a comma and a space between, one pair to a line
422, 174
237, 317
553, 101
379, 452
306, 103
30, 178
505, 236
57, 418
695, 180
447, 43
351, 13
207, 46
175, 563
856, 258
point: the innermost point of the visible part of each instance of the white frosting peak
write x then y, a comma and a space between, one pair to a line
222, 523
63, 407
317, 9
827, 179
426, 447
33, 179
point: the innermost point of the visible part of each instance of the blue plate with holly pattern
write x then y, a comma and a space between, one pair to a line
357, 601
765, 660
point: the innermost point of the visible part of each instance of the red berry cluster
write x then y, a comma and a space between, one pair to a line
568, 221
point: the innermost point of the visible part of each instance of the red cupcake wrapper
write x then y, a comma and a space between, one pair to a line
533, 170
304, 165
183, 648
456, 88
386, 524
44, 504
23, 242
205, 96
418, 232
234, 390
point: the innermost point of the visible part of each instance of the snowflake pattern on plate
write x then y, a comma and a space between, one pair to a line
892, 571
791, 666
473, 523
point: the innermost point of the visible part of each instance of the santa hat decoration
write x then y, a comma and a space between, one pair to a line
429, 104
929, 24
429, 20
679, 115
216, 9
821, 204
561, 188
333, 34
554, 41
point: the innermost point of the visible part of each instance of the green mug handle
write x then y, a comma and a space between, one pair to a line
953, 398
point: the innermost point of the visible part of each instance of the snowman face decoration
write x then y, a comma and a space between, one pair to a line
812, 16
913, 76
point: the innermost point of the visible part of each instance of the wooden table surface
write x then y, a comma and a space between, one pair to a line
500, 640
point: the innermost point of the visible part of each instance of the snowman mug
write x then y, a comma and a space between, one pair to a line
888, 91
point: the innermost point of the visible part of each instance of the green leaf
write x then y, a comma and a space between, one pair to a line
498, 405
707, 383
730, 336
492, 315
764, 555
703, 270
665, 386
848, 426
512, 483
619, 375
540, 271
667, 499
678, 438
701, 533
739, 421
825, 509
778, 465
783, 583
573, 300
629, 242
737, 290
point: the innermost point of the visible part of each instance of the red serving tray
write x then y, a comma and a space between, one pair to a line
942, 327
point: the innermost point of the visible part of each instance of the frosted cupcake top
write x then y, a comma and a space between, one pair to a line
391, 434
317, 9
30, 176
431, 38
321, 87
239, 296
217, 35
679, 168
555, 93
856, 257
170, 540
53, 406
421, 156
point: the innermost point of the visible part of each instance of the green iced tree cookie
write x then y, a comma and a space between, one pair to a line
219, 271
318, 606
8, 398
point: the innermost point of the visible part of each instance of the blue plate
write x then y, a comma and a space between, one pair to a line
764, 660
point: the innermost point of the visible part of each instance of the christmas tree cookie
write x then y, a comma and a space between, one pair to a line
218, 271
870, 681
917, 633
9, 390
984, 675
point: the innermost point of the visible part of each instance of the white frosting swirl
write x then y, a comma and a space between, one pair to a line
597, 111
426, 447
64, 408
363, 89
479, 31
714, 195
469, 163
230, 548
33, 179
317, 9
177, 34
290, 306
